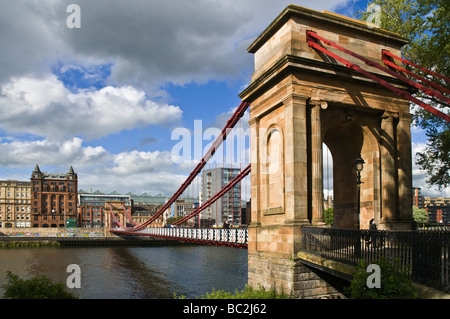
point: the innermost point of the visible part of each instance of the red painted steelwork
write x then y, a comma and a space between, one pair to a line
399, 92
226, 188
395, 66
225, 131
192, 240
213, 199
386, 52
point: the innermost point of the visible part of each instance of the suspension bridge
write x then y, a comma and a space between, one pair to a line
319, 78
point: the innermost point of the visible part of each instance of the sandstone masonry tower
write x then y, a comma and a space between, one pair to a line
301, 98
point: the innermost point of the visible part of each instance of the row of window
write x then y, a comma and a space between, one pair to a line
17, 201
8, 194
18, 208
18, 217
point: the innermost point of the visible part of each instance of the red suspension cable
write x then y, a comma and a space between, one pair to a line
416, 66
355, 67
127, 213
213, 199
225, 131
395, 66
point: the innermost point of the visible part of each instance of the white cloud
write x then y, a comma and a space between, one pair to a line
150, 43
29, 153
140, 162
96, 167
44, 107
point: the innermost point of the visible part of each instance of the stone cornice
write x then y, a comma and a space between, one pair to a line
289, 63
323, 17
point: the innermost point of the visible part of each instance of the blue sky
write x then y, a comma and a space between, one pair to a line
105, 98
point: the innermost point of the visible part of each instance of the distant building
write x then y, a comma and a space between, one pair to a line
147, 199
438, 210
141, 213
15, 204
228, 207
53, 198
182, 207
92, 207
417, 197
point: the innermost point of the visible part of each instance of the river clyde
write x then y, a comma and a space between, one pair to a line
155, 272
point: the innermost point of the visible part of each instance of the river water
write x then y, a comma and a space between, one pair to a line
133, 272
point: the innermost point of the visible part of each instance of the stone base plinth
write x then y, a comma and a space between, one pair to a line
289, 276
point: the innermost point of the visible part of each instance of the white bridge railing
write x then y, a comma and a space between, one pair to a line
233, 236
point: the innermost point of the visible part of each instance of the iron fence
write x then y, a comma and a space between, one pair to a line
424, 254
232, 236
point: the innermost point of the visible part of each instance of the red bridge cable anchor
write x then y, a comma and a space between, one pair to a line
355, 67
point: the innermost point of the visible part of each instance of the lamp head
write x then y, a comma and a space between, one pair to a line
359, 163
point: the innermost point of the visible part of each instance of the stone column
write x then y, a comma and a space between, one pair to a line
255, 222
405, 216
296, 159
317, 164
388, 178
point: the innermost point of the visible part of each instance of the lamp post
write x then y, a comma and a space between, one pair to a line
359, 165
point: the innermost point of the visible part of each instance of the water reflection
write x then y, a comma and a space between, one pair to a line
134, 272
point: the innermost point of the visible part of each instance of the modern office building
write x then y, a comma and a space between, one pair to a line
228, 207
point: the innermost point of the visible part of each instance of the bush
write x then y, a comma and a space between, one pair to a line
328, 216
395, 282
247, 293
34, 288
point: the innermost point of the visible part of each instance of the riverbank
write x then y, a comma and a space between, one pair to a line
75, 237
17, 242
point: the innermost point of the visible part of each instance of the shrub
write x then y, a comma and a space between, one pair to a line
34, 288
395, 282
247, 293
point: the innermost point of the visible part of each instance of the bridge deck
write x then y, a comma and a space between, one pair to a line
234, 237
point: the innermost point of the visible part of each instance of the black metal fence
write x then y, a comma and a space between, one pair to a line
425, 254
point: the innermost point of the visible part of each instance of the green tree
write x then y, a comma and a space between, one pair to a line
34, 288
420, 215
172, 220
426, 24
328, 216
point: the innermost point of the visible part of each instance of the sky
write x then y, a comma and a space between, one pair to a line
109, 95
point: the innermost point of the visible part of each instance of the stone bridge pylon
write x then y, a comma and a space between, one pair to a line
301, 98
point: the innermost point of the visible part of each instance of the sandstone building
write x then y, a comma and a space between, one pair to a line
53, 198
15, 197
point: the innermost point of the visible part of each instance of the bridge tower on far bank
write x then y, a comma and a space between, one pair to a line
301, 98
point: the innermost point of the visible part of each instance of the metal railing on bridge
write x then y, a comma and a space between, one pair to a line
425, 254
233, 237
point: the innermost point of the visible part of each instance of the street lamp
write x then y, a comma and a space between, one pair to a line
359, 165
